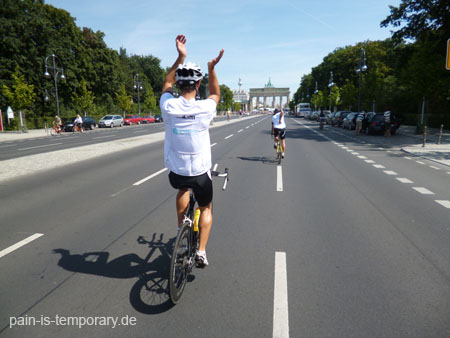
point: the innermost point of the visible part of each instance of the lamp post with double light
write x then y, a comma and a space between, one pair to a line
55, 66
361, 68
138, 86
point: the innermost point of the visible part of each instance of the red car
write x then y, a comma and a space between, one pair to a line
132, 119
148, 119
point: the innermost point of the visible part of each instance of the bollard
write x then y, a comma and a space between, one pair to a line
424, 136
440, 134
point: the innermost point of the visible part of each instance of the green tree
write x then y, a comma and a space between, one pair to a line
226, 98
123, 100
150, 100
21, 95
237, 106
86, 99
335, 96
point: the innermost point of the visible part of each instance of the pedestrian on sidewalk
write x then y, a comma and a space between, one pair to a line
359, 121
387, 123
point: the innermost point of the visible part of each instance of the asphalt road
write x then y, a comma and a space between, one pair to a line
345, 239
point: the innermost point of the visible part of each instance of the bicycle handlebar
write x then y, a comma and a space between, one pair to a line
225, 174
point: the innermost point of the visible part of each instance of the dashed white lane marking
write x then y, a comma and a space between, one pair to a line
150, 177
20, 244
408, 158
212, 145
444, 203
448, 172
279, 178
344, 147
420, 162
247, 127
404, 180
8, 145
226, 138
215, 166
280, 298
349, 150
139, 131
432, 166
389, 172
45, 145
379, 166
240, 130
369, 161
355, 153
423, 191
362, 157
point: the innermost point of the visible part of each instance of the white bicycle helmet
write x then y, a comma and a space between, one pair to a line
188, 73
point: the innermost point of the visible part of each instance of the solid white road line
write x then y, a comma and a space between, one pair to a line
280, 298
228, 136
150, 177
46, 145
423, 191
100, 137
404, 180
20, 244
389, 172
279, 178
444, 203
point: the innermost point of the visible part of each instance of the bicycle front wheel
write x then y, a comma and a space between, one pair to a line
180, 263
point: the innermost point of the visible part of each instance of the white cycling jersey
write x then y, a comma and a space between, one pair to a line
276, 121
187, 147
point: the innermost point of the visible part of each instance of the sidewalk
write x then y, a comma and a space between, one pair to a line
432, 151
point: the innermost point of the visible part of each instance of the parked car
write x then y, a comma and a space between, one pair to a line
376, 124
88, 123
110, 121
315, 116
349, 121
329, 117
338, 118
159, 118
148, 119
132, 119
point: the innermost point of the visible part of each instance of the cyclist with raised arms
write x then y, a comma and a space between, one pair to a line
279, 129
187, 147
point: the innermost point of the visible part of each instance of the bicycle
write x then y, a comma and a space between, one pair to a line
56, 130
186, 245
77, 127
279, 150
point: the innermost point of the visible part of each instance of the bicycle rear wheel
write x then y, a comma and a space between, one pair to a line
279, 153
180, 263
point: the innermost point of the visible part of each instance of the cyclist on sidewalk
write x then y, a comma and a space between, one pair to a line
187, 147
279, 129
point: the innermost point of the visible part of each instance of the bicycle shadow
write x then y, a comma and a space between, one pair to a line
262, 159
150, 293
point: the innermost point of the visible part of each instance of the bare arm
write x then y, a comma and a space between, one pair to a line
281, 114
169, 81
213, 83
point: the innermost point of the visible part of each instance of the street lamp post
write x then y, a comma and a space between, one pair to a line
138, 86
330, 85
315, 101
55, 72
362, 67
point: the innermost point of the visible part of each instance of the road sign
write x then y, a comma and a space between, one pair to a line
447, 63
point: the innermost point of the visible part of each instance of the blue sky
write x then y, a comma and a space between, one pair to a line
277, 39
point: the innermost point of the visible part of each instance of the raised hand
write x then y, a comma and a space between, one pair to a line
215, 61
181, 45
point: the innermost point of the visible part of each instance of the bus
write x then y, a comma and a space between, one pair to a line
301, 109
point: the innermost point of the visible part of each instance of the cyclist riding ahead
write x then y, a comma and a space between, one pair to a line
187, 148
279, 129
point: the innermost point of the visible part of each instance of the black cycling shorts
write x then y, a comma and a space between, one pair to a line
279, 132
201, 186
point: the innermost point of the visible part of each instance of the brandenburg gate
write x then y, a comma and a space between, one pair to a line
268, 91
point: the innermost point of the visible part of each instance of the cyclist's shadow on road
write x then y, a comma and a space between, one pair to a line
150, 294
